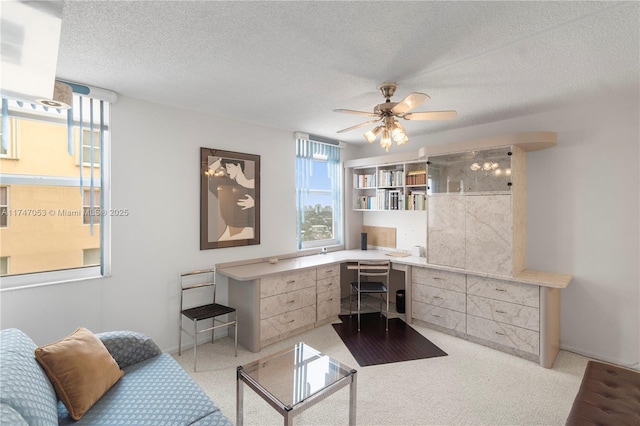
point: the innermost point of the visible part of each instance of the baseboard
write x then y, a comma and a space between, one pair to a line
628, 363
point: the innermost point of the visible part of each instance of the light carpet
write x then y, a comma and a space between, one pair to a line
474, 385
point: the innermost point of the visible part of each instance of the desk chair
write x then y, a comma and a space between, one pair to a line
209, 311
378, 270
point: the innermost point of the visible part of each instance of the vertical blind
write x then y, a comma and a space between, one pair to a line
306, 152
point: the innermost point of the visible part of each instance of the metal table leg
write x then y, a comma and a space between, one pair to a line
239, 390
352, 398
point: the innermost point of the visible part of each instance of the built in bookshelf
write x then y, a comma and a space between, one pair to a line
397, 186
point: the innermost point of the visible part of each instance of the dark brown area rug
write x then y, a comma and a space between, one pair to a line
374, 345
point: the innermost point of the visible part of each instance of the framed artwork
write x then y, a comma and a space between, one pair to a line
229, 199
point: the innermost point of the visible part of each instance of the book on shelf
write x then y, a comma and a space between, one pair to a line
417, 177
416, 200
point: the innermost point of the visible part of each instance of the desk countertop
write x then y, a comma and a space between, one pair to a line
258, 268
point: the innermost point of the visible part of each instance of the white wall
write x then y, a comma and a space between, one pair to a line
155, 168
582, 216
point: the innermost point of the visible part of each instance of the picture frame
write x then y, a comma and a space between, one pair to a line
229, 199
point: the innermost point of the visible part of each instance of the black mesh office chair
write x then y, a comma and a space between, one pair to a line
372, 278
194, 280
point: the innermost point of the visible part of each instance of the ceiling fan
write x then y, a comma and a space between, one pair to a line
388, 111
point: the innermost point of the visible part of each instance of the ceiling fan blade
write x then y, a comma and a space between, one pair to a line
411, 101
348, 129
431, 115
351, 111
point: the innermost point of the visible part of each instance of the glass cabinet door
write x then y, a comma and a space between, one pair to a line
473, 171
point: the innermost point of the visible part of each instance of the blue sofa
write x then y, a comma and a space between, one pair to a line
154, 390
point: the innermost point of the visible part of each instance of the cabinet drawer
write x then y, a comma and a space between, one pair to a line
522, 294
328, 271
283, 283
328, 304
439, 297
505, 312
504, 334
327, 284
439, 316
281, 324
441, 279
281, 303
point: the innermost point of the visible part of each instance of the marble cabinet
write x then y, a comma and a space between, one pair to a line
502, 314
327, 293
439, 299
479, 225
287, 304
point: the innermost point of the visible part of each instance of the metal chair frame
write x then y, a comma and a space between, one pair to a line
368, 269
203, 312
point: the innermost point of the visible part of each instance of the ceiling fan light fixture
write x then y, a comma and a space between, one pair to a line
398, 133
387, 112
403, 141
385, 142
371, 135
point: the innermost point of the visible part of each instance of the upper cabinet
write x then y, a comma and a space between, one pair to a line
479, 171
396, 186
476, 210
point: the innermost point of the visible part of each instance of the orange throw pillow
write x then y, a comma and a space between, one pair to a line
80, 368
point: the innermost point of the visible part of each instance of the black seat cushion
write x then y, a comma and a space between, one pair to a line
207, 311
370, 287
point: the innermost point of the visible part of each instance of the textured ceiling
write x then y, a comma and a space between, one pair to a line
287, 65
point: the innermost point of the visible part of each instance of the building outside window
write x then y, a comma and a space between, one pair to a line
4, 266
90, 208
318, 193
4, 206
56, 230
91, 256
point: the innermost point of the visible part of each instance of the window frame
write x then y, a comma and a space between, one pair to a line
81, 273
338, 215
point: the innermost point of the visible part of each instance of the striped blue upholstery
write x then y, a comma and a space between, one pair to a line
24, 386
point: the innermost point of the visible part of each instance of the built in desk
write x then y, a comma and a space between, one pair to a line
518, 314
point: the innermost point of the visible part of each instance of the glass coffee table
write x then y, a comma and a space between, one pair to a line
295, 379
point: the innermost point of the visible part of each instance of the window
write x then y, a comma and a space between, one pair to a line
318, 193
11, 149
91, 256
55, 205
90, 208
4, 266
88, 146
4, 206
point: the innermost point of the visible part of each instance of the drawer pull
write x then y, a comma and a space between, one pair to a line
437, 297
501, 312
436, 315
291, 281
438, 278
291, 301
330, 299
501, 334
500, 289
329, 270
290, 321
